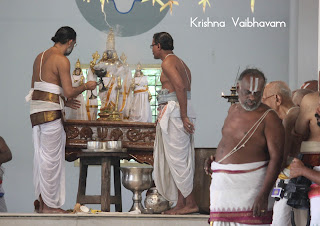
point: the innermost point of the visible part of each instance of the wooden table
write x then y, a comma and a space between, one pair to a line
106, 160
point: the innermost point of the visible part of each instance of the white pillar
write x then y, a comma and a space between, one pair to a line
293, 44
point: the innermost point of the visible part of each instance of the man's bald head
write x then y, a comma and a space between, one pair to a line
299, 94
278, 88
275, 94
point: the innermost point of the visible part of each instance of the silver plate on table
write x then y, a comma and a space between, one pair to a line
104, 150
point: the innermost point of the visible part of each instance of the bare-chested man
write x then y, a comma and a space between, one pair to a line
277, 95
248, 158
306, 126
50, 80
174, 146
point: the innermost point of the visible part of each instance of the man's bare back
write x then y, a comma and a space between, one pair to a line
173, 65
55, 69
176, 77
50, 63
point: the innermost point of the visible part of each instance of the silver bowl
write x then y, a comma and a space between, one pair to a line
94, 145
117, 145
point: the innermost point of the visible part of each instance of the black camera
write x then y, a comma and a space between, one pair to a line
296, 191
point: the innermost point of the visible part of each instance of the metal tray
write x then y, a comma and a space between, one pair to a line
105, 150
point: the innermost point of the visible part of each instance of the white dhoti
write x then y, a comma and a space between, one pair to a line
173, 153
49, 141
233, 190
49, 163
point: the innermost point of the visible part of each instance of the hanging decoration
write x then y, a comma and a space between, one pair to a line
204, 3
252, 5
170, 4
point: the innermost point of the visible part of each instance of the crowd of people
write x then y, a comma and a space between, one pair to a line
242, 183
262, 136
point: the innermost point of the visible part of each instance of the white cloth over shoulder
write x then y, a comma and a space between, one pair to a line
49, 162
173, 153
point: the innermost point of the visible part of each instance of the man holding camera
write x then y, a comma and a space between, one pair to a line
277, 95
307, 127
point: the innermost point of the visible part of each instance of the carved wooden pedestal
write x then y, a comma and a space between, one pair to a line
137, 137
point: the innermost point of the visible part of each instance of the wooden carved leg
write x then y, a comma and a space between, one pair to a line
82, 182
105, 184
117, 184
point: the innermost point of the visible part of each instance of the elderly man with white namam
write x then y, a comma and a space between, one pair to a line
248, 158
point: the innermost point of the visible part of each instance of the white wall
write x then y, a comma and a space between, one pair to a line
213, 55
308, 35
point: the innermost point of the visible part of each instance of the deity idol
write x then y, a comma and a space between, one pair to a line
77, 79
140, 110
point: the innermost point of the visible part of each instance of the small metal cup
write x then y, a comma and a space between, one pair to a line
94, 145
114, 145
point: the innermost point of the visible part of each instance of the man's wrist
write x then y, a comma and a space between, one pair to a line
304, 170
85, 86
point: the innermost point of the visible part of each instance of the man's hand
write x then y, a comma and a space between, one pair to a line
73, 103
188, 126
207, 165
296, 168
91, 85
260, 206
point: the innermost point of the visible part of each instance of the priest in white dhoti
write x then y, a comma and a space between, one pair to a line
140, 110
50, 71
77, 79
174, 144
